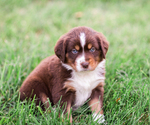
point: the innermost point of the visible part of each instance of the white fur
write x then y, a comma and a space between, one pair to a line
82, 39
99, 118
80, 60
84, 82
66, 66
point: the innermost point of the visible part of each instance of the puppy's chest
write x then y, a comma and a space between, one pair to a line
84, 83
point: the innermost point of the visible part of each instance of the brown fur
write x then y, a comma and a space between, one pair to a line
96, 101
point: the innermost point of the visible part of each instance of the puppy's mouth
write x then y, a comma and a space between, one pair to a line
83, 70
86, 70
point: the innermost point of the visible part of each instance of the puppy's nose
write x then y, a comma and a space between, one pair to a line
85, 64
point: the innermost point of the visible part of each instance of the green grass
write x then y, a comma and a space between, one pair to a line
29, 31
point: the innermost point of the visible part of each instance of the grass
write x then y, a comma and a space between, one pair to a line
29, 31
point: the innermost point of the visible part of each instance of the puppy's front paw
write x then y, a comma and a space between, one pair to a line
99, 118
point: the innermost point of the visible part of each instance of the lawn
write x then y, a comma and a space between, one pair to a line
29, 30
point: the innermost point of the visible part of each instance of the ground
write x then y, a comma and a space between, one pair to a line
29, 31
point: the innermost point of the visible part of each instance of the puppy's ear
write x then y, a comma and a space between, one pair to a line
60, 48
103, 44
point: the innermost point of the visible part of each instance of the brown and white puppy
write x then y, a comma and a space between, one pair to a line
75, 74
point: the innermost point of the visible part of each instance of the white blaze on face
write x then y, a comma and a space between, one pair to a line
82, 39
81, 58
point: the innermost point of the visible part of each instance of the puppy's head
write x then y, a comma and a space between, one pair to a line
82, 48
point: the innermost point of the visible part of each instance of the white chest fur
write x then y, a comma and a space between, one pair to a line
84, 82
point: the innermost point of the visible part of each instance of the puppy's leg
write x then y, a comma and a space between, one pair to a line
67, 101
31, 88
96, 104
44, 99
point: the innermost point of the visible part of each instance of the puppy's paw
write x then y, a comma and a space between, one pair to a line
99, 118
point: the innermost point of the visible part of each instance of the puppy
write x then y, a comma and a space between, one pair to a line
75, 74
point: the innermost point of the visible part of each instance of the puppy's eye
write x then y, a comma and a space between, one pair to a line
74, 51
92, 49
